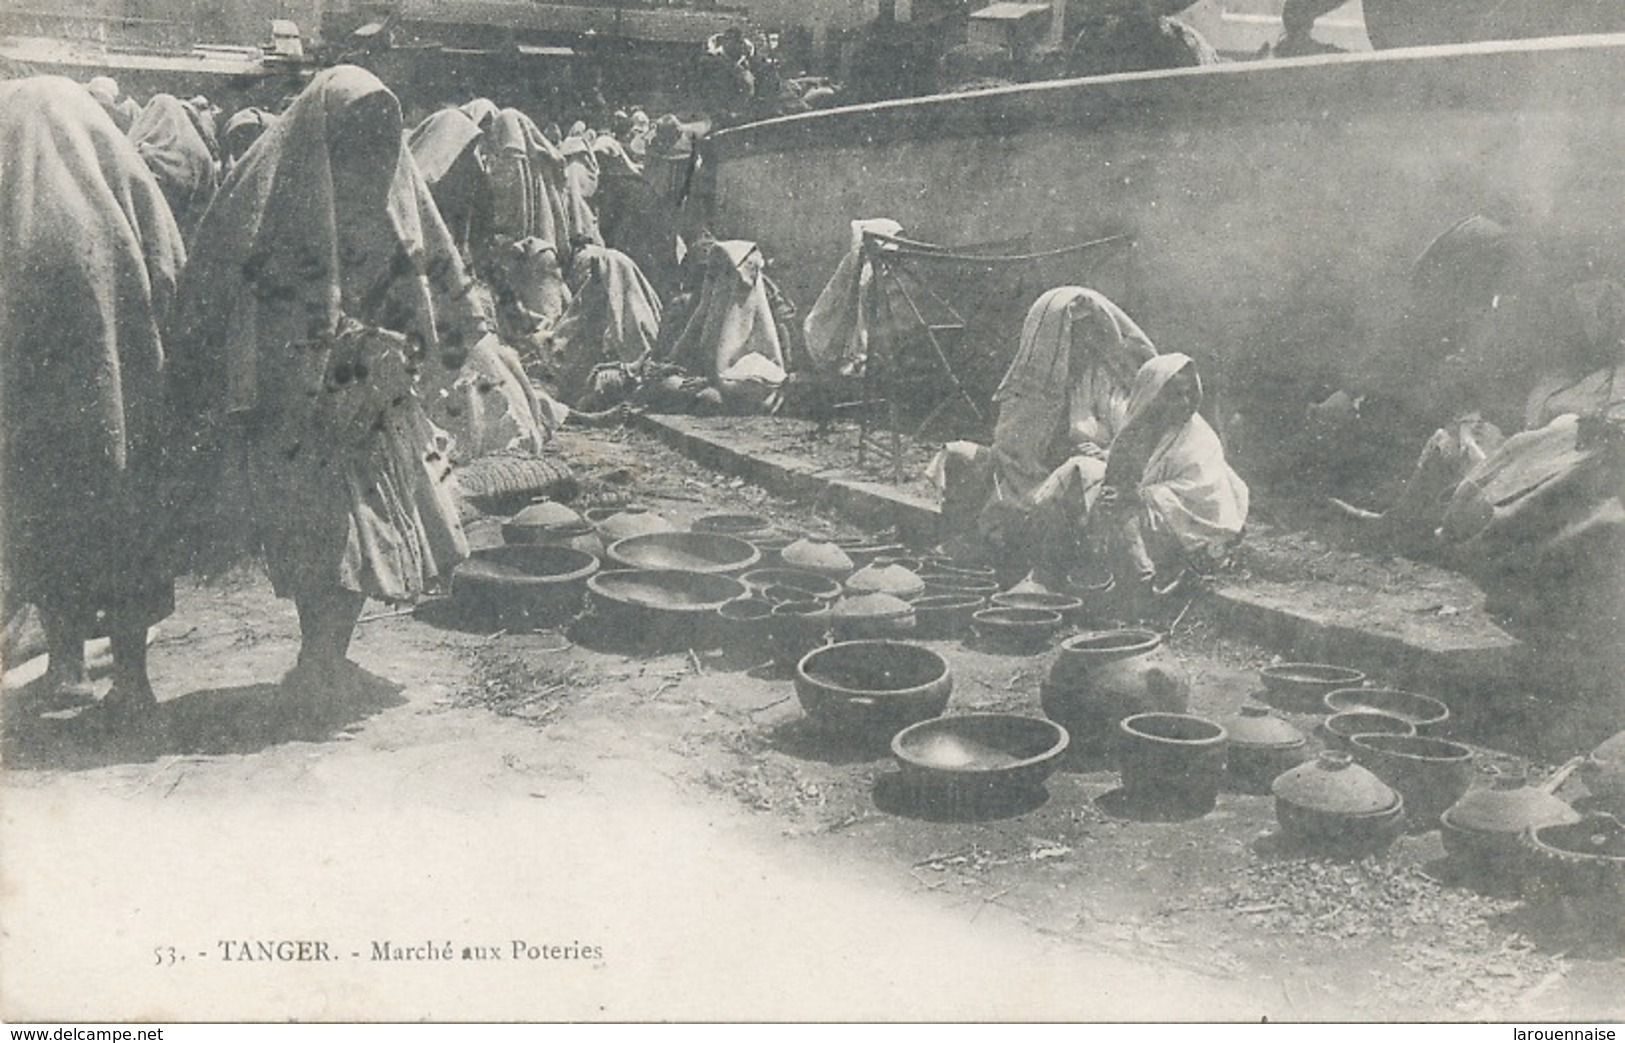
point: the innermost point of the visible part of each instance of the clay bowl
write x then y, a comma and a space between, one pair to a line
945, 615
1301, 687
947, 583
1019, 631
1422, 711
1174, 761
1065, 604
1580, 860
870, 690
796, 628
1431, 774
647, 605
810, 585
539, 582
1339, 728
745, 526
949, 567
703, 552
980, 754
743, 623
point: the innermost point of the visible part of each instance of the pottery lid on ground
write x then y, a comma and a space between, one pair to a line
546, 514
817, 555
872, 606
1508, 805
633, 521
886, 579
1257, 727
1333, 784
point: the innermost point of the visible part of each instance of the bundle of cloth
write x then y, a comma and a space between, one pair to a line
170, 138
837, 337
120, 108
733, 338
1085, 406
89, 257
325, 309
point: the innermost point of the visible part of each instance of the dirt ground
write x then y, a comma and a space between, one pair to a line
675, 810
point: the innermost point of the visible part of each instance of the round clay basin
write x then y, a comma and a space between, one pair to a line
1021, 630
810, 585
1062, 603
984, 750
873, 687
523, 578
1341, 727
1431, 774
1422, 711
665, 590
704, 552
733, 524
1302, 686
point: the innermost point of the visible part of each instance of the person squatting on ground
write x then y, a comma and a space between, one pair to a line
89, 257
1099, 458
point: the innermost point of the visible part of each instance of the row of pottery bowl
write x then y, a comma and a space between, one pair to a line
1097, 679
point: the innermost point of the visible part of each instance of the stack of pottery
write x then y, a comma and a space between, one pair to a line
1262, 746
1097, 679
1334, 805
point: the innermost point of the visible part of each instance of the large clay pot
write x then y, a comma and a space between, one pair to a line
818, 556
886, 579
1262, 746
1171, 761
874, 615
1097, 679
548, 523
1334, 805
1431, 774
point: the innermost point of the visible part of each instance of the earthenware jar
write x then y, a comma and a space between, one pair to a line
1431, 774
1332, 804
1099, 678
1172, 761
1262, 746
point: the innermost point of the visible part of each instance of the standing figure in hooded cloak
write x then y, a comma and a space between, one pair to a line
324, 293
89, 255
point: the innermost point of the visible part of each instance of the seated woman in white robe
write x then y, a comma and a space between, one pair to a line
1166, 501
1062, 401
